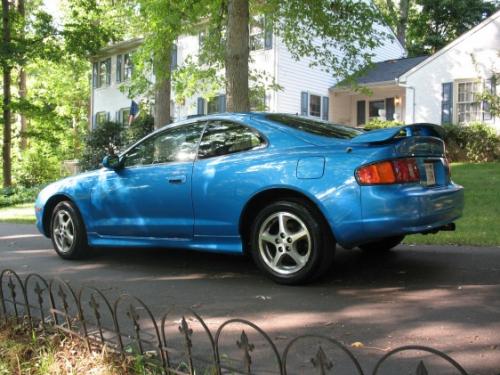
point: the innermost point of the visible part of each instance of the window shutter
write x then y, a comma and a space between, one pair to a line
268, 34
324, 108
389, 109
447, 103
108, 71
222, 103
201, 106
119, 68
95, 74
174, 57
304, 99
360, 112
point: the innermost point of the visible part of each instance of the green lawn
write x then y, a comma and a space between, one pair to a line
20, 213
480, 223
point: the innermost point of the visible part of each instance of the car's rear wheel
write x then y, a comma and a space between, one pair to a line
67, 232
382, 245
288, 242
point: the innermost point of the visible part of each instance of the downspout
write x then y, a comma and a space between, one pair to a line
400, 84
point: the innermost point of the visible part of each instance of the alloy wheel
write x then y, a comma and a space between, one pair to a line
63, 231
284, 243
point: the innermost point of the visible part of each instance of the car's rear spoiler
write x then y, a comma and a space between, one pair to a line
385, 135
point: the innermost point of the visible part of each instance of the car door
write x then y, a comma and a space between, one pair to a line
150, 196
223, 176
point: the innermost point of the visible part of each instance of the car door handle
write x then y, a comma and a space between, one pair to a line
178, 179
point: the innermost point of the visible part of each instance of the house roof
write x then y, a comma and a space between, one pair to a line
457, 41
117, 47
387, 71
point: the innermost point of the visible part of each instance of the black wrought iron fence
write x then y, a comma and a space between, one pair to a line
182, 342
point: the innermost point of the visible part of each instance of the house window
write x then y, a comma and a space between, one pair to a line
374, 107
260, 34
315, 105
101, 118
217, 104
212, 105
468, 106
123, 115
103, 73
124, 68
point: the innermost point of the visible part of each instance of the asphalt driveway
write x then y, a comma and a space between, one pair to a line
445, 297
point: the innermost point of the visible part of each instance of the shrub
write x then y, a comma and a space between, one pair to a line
18, 195
141, 127
473, 143
111, 137
101, 141
381, 124
476, 142
36, 166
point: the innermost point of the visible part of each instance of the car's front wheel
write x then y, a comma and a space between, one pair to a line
289, 242
385, 244
67, 231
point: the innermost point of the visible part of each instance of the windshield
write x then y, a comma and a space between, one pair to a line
316, 127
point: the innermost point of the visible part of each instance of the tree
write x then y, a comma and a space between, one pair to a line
159, 23
6, 71
396, 15
236, 56
440, 22
21, 10
30, 43
339, 35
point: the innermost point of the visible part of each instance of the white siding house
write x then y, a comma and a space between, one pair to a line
305, 88
441, 88
437, 89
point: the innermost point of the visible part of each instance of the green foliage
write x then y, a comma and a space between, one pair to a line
111, 138
439, 22
36, 167
474, 142
105, 139
18, 195
381, 124
139, 128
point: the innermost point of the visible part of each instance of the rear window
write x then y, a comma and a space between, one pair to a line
316, 127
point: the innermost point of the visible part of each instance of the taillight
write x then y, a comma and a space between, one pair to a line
389, 172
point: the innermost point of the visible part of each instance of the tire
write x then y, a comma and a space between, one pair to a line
67, 232
290, 242
383, 245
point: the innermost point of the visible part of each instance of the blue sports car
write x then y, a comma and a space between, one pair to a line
280, 187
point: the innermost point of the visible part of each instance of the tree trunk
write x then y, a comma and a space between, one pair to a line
22, 85
236, 57
7, 178
163, 87
404, 7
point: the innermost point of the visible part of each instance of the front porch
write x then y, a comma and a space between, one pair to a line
382, 96
352, 108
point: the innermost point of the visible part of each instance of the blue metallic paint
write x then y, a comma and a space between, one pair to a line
138, 206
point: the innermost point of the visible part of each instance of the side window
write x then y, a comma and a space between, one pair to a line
225, 137
172, 145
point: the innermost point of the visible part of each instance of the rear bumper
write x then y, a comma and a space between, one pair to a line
395, 210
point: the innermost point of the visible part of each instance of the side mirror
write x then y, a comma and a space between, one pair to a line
111, 162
